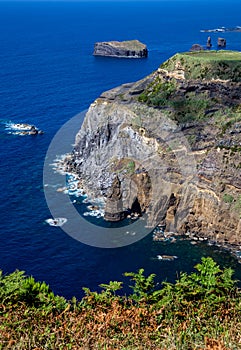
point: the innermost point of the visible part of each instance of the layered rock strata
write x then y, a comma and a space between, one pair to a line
173, 140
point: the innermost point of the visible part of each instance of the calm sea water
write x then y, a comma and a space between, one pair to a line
48, 75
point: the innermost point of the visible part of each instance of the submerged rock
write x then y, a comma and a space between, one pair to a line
127, 49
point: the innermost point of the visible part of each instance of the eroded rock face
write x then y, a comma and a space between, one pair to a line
127, 49
114, 205
169, 146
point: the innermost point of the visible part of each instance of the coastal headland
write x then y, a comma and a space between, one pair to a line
172, 143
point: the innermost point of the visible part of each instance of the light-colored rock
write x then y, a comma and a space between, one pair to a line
127, 49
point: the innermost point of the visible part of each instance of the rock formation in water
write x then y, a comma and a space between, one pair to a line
209, 43
196, 47
170, 144
127, 49
221, 42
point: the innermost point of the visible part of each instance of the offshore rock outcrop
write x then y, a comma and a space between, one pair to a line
126, 49
221, 42
209, 43
173, 141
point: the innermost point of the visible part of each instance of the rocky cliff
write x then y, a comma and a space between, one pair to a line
173, 140
127, 49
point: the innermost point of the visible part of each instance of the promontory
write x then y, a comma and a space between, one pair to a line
169, 146
126, 49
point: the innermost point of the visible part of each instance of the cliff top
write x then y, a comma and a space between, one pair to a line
221, 55
133, 45
207, 65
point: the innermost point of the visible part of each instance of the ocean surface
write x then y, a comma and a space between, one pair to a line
47, 76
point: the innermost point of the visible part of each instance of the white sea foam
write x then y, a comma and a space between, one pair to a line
18, 126
96, 205
56, 221
20, 133
95, 213
20, 129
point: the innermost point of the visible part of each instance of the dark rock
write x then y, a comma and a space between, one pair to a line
114, 205
33, 130
196, 47
221, 42
127, 49
209, 43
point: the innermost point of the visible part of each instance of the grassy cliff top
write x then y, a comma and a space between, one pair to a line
128, 44
225, 65
222, 55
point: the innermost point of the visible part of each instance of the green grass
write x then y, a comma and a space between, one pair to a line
166, 94
228, 198
193, 98
221, 55
131, 45
207, 65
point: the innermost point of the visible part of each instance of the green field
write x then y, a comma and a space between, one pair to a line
222, 55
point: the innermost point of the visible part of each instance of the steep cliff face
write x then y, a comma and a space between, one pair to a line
173, 140
127, 49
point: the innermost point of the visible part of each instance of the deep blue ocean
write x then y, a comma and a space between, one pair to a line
47, 76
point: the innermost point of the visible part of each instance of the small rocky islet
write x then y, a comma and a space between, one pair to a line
121, 49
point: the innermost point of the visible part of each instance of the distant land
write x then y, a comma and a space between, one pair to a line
222, 30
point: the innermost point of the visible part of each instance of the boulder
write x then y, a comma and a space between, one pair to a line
196, 47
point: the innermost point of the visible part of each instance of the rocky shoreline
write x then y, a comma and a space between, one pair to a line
173, 141
160, 235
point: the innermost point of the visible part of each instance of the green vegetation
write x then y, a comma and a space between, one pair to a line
228, 198
126, 165
207, 65
200, 311
195, 98
166, 94
158, 92
238, 204
226, 117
